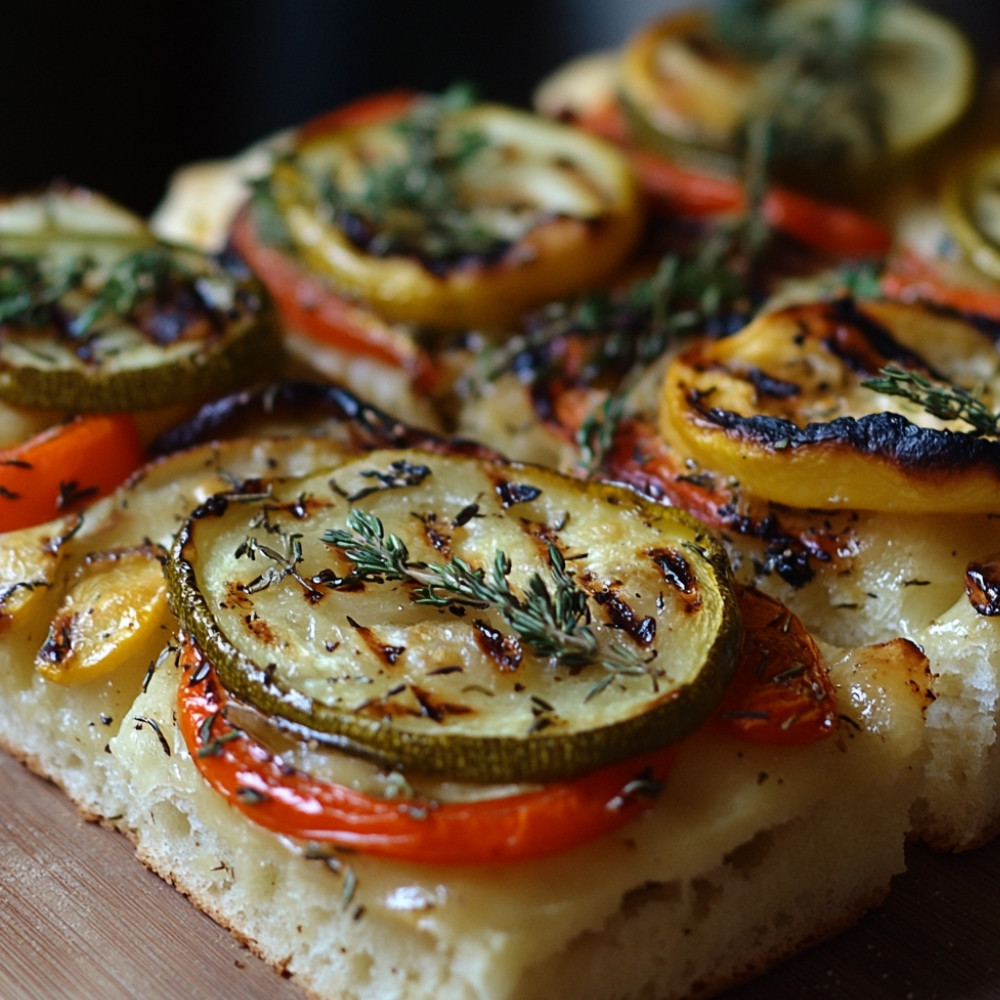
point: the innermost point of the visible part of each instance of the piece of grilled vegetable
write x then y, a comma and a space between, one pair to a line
97, 315
877, 405
843, 88
459, 616
452, 216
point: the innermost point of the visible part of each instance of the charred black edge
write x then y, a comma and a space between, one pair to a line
889, 436
369, 427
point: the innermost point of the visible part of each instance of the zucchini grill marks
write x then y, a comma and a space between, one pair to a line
458, 616
98, 316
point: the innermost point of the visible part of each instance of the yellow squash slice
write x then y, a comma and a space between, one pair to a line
797, 407
531, 211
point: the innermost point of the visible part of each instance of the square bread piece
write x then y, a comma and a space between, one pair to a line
906, 575
892, 576
716, 881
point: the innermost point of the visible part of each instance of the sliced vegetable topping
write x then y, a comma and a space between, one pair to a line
840, 86
65, 467
781, 693
508, 828
96, 315
113, 610
462, 617
450, 214
881, 405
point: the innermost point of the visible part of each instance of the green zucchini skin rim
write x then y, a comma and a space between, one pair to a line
536, 757
249, 344
192, 379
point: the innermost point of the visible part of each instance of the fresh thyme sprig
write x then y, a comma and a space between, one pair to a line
686, 293
410, 202
33, 291
816, 101
553, 620
946, 402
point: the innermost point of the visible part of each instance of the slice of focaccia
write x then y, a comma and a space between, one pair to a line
868, 503
713, 882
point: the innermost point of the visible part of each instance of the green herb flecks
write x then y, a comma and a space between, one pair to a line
411, 202
551, 618
946, 402
142, 274
816, 102
77, 294
30, 291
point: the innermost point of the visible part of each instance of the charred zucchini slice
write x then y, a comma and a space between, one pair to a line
97, 315
459, 616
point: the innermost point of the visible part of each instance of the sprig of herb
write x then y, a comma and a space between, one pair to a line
552, 619
946, 402
411, 202
33, 291
816, 101
284, 564
686, 293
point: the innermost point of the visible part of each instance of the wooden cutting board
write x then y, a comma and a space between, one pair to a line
80, 918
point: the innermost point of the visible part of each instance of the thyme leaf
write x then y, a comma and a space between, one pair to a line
946, 402
552, 617
816, 101
411, 201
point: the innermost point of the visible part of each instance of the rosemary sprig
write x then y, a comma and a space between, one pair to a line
552, 619
946, 402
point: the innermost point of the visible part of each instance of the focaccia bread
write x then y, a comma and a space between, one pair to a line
622, 658
713, 882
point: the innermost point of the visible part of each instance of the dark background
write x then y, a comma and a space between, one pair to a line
117, 94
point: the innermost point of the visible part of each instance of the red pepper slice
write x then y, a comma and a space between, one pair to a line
781, 692
824, 226
65, 466
364, 111
821, 225
307, 305
554, 818
910, 277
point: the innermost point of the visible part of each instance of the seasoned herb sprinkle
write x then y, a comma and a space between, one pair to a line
553, 620
946, 402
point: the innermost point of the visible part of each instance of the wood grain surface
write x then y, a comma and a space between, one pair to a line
80, 918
